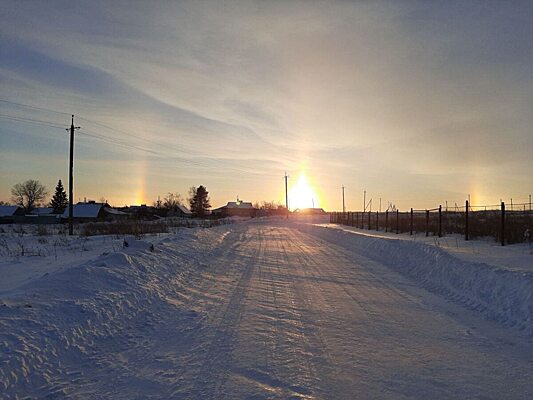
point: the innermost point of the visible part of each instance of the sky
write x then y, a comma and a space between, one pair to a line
417, 102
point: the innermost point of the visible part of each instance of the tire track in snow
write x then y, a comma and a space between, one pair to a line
215, 369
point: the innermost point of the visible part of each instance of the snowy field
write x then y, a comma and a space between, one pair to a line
264, 309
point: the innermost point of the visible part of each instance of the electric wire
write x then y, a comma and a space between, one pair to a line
118, 142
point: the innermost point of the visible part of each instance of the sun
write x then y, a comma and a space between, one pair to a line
301, 195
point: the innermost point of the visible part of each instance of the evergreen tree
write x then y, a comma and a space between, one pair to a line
199, 201
60, 201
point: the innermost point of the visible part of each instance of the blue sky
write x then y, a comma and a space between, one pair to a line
416, 102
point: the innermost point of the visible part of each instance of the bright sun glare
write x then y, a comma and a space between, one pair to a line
301, 195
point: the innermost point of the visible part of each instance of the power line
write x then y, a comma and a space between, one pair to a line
33, 107
30, 121
122, 144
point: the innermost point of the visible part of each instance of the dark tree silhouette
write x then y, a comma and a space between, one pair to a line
28, 194
199, 201
59, 201
172, 201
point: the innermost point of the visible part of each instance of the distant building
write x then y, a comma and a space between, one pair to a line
182, 211
143, 212
8, 214
40, 215
235, 209
92, 211
42, 211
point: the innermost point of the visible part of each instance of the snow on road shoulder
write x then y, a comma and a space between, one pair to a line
500, 294
73, 317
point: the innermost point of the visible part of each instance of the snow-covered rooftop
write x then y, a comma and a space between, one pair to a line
8, 211
112, 211
85, 210
184, 209
240, 204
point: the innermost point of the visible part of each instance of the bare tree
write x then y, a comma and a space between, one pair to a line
28, 194
172, 201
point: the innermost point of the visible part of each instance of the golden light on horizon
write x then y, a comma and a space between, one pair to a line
301, 195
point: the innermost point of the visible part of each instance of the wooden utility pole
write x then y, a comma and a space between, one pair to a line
502, 226
71, 177
467, 205
286, 196
343, 204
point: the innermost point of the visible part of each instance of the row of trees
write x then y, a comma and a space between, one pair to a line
198, 200
31, 194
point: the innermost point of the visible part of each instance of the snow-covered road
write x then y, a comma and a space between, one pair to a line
256, 310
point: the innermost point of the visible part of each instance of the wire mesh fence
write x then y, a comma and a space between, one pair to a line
506, 223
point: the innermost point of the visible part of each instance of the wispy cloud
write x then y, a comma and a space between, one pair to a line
372, 95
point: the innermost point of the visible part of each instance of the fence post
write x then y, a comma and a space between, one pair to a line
427, 223
369, 227
377, 220
386, 221
440, 221
411, 224
352, 218
502, 234
466, 220
397, 221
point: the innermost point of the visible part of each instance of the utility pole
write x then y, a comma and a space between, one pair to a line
364, 200
380, 204
343, 204
71, 177
286, 195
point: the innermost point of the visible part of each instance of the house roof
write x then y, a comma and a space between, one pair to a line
112, 211
240, 204
85, 210
234, 205
184, 209
8, 211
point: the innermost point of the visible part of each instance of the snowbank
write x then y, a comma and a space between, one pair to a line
499, 294
74, 314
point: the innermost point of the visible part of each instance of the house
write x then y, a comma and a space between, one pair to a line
86, 211
8, 214
41, 215
42, 211
142, 211
235, 209
91, 211
182, 212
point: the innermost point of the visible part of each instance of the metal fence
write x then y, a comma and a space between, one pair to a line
506, 223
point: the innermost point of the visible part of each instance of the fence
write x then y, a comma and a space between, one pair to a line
506, 224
